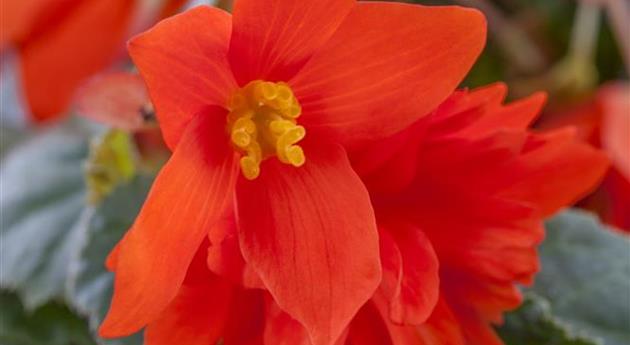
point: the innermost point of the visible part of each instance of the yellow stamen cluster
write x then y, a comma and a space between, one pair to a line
263, 123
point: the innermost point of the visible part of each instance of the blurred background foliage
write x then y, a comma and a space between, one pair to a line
55, 289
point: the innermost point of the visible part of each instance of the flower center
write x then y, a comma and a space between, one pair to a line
263, 123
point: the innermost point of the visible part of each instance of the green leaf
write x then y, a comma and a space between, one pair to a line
42, 196
586, 276
90, 284
9, 137
533, 323
50, 324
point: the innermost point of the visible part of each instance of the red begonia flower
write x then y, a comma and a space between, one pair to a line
455, 238
61, 43
259, 108
472, 190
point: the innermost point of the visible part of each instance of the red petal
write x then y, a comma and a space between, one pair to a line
418, 289
197, 316
188, 196
392, 266
476, 330
517, 115
55, 62
282, 329
273, 39
115, 99
224, 254
311, 235
183, 60
487, 298
247, 318
442, 328
554, 171
386, 66
368, 328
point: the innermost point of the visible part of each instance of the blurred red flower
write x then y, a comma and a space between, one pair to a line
604, 121
282, 88
120, 100
459, 199
61, 43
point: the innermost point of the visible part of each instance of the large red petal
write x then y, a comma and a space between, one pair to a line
188, 196
55, 62
311, 235
273, 39
183, 60
419, 285
386, 66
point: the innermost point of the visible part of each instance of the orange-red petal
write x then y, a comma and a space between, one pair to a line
310, 233
554, 171
387, 65
368, 328
247, 318
55, 62
514, 116
183, 61
282, 329
197, 315
224, 256
419, 283
187, 198
442, 328
273, 39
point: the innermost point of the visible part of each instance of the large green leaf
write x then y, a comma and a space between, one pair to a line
90, 284
586, 276
534, 323
50, 324
42, 196
10, 137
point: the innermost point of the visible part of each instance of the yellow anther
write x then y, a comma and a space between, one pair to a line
262, 123
295, 155
266, 91
284, 93
280, 126
240, 138
286, 140
250, 167
294, 111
